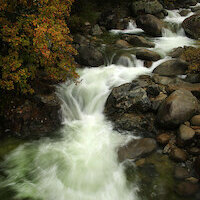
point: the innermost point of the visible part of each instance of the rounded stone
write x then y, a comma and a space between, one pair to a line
163, 138
181, 173
195, 121
185, 132
178, 155
187, 188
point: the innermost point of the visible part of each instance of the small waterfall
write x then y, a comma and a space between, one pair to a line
82, 165
131, 29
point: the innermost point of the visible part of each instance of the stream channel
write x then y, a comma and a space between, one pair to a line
82, 164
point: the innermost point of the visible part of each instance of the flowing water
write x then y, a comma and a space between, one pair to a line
82, 164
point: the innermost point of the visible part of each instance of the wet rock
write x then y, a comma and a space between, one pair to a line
178, 85
172, 68
136, 149
191, 26
187, 189
37, 118
80, 39
139, 41
163, 138
153, 90
137, 124
194, 9
126, 98
177, 52
146, 7
193, 78
89, 56
179, 107
112, 17
145, 54
150, 24
184, 12
156, 102
195, 121
185, 132
148, 63
123, 43
178, 154
164, 80
181, 173
96, 30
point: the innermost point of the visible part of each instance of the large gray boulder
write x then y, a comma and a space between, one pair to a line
172, 68
126, 98
191, 26
146, 7
179, 107
136, 149
150, 24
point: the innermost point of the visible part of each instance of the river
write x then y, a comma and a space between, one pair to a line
82, 164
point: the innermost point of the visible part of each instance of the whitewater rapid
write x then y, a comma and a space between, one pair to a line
82, 164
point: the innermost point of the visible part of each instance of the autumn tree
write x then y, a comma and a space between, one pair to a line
34, 36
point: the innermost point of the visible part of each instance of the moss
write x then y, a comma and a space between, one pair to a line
192, 56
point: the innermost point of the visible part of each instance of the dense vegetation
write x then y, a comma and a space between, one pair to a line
34, 37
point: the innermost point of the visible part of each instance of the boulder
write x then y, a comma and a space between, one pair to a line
148, 63
89, 56
136, 124
145, 54
157, 101
150, 24
172, 68
136, 149
196, 8
146, 7
191, 26
127, 98
195, 121
37, 118
179, 85
185, 132
139, 41
193, 78
179, 107
184, 12
112, 18
177, 52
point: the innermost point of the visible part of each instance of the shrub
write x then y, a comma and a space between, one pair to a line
34, 35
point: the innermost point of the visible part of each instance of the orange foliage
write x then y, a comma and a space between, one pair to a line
33, 35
